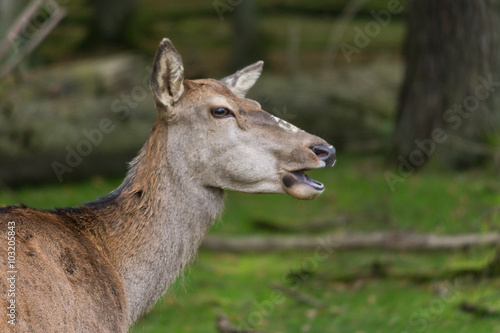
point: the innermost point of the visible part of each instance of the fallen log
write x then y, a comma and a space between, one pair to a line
384, 240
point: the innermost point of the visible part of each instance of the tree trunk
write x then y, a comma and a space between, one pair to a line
245, 34
110, 21
449, 53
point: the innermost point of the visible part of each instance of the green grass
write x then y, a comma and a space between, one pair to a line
357, 199
241, 287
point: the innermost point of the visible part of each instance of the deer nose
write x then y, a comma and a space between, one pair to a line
325, 153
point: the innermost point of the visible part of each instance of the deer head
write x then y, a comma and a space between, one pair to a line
224, 140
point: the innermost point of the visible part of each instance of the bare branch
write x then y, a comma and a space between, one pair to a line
18, 26
41, 34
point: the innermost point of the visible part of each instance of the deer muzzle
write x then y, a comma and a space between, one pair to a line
299, 185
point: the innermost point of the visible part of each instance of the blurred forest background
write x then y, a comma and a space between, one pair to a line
407, 91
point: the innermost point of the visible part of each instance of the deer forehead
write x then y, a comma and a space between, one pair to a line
220, 100
219, 96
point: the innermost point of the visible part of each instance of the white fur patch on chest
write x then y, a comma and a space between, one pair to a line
285, 125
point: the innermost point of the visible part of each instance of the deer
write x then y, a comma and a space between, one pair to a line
99, 266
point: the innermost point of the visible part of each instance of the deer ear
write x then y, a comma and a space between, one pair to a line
167, 76
244, 79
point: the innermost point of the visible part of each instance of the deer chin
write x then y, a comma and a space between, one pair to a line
299, 185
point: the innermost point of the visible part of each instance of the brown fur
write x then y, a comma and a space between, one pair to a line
60, 275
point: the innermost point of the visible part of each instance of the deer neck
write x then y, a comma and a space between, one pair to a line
155, 221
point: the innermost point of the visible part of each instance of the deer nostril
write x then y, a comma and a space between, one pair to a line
325, 153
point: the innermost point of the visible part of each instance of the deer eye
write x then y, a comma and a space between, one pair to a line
221, 112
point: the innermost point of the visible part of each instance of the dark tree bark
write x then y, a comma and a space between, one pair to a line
450, 55
245, 34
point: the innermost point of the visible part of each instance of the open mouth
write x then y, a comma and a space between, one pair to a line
291, 178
